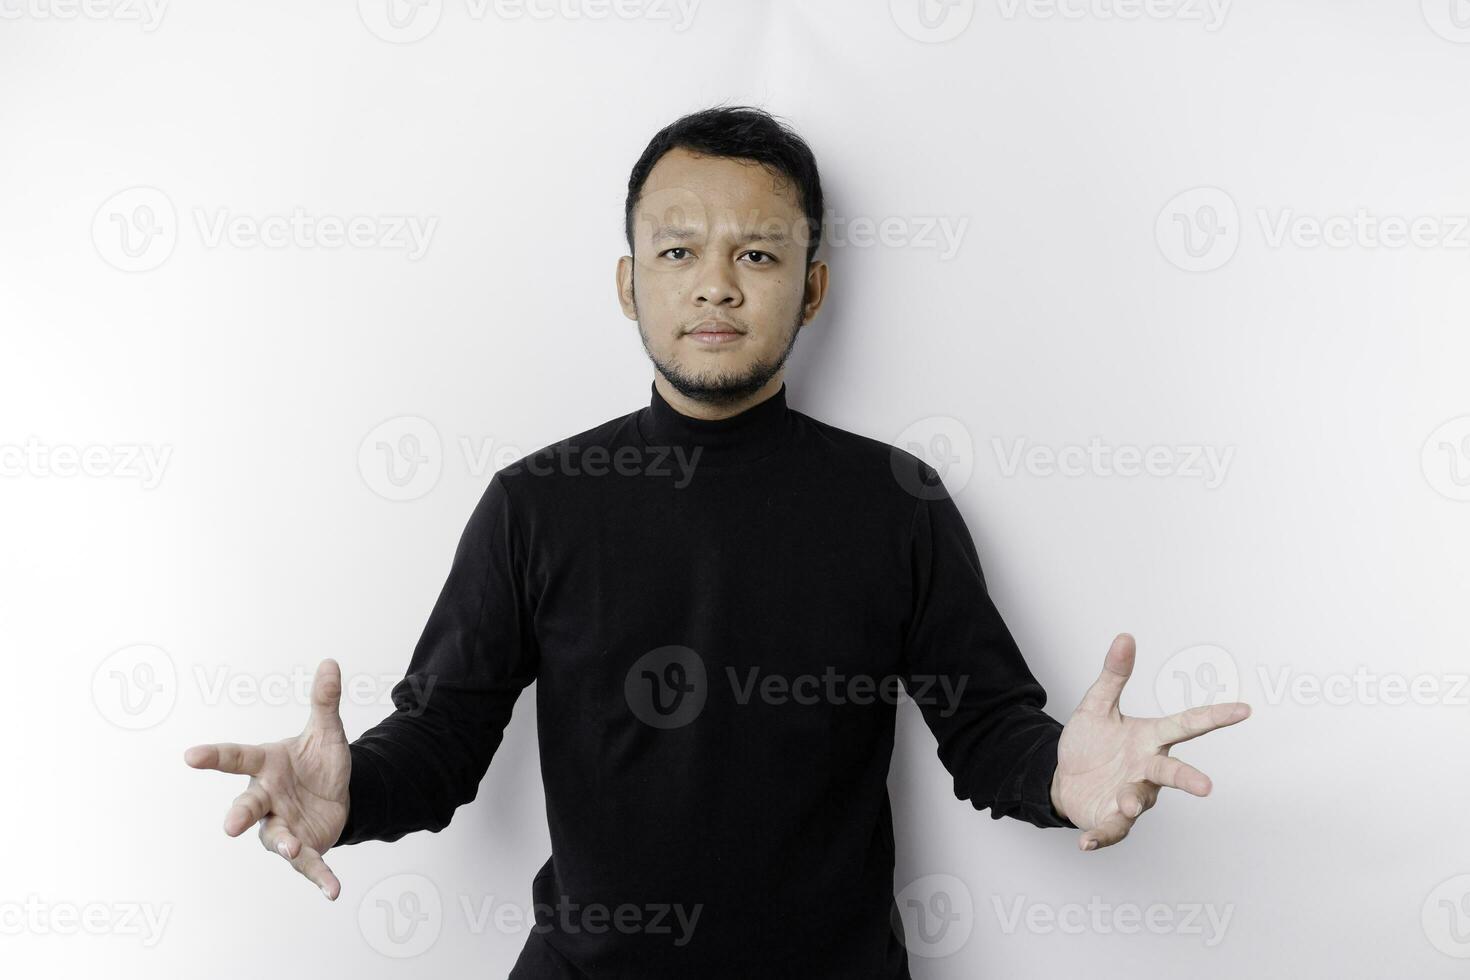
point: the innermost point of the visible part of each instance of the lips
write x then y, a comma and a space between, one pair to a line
716, 327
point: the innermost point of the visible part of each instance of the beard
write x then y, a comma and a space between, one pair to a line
725, 388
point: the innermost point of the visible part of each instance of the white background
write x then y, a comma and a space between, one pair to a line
1331, 550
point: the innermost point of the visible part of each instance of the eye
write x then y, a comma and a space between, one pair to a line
769, 257
676, 248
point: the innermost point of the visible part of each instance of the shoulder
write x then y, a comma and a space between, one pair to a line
883, 465
536, 472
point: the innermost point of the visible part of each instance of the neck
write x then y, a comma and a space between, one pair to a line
720, 436
713, 410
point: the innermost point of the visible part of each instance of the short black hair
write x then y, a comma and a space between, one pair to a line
740, 132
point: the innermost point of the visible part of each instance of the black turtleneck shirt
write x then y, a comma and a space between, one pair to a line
719, 614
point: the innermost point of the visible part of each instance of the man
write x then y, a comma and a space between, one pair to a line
718, 596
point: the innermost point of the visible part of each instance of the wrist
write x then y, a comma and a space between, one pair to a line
1056, 794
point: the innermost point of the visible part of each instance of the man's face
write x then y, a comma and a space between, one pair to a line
719, 282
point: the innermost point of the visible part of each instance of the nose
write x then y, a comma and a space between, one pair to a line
717, 286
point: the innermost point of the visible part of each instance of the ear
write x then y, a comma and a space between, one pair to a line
625, 286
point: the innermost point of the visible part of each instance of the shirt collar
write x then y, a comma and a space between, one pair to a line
757, 431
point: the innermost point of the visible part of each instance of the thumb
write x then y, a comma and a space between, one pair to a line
1104, 693
326, 696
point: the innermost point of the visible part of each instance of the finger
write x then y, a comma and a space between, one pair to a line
1134, 798
244, 760
1169, 771
309, 862
1110, 831
1194, 722
326, 697
249, 807
1103, 695
276, 836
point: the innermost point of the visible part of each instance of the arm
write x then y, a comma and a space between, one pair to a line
477, 653
983, 704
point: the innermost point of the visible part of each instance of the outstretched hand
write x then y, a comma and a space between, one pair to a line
1110, 768
298, 786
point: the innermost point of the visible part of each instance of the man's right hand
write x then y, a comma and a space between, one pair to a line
298, 787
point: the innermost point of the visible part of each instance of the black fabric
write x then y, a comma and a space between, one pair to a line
657, 553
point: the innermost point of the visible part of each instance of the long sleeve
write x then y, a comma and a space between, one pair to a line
476, 654
967, 676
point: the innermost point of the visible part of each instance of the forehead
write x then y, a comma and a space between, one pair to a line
686, 188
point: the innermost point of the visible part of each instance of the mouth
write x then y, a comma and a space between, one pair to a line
714, 333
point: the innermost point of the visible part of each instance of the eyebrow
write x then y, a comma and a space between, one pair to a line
678, 233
